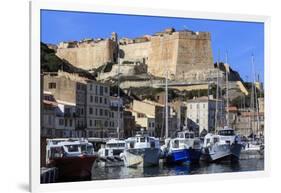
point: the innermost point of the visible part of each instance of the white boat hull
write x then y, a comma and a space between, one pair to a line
222, 152
144, 157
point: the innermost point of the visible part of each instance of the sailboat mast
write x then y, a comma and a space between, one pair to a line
166, 102
255, 99
118, 96
227, 96
253, 96
217, 93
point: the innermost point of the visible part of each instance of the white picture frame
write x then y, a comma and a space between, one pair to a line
36, 6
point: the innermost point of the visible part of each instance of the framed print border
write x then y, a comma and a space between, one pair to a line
36, 6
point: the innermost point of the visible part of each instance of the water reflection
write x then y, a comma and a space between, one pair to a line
101, 173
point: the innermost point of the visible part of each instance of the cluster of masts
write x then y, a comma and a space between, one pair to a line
254, 99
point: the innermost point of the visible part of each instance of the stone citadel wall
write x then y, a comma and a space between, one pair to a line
181, 51
88, 55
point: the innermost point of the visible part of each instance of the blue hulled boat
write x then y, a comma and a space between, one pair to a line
193, 143
175, 151
182, 149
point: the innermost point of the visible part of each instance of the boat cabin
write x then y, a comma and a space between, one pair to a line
186, 134
226, 132
112, 148
142, 141
67, 148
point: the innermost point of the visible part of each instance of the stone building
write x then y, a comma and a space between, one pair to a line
155, 112
248, 123
144, 121
58, 118
69, 88
201, 113
180, 111
261, 104
129, 123
182, 51
116, 103
98, 109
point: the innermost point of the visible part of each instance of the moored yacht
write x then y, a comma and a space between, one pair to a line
109, 155
73, 158
184, 148
193, 143
141, 151
222, 146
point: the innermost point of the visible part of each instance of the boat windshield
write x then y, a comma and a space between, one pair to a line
189, 135
87, 148
176, 144
90, 149
226, 132
112, 145
142, 139
56, 152
72, 148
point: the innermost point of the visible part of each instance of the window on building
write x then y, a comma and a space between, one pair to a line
90, 122
49, 120
70, 122
96, 112
96, 99
101, 90
96, 89
105, 112
61, 121
52, 85
90, 110
105, 100
152, 124
100, 100
91, 98
106, 90
101, 112
65, 122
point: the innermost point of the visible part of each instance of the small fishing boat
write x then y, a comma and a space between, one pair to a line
184, 148
74, 158
225, 145
141, 151
109, 155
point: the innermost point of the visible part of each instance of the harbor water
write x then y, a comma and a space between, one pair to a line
122, 172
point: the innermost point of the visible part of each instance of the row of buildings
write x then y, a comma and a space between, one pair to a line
77, 107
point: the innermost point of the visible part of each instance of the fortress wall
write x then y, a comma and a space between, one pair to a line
184, 52
87, 57
135, 51
163, 52
194, 52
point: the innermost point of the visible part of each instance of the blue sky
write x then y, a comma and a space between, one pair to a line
239, 39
